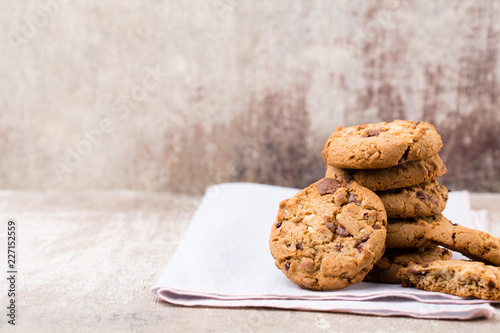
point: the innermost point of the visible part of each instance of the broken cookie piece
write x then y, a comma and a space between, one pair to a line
457, 277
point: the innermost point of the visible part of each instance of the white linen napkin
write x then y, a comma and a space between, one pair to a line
224, 260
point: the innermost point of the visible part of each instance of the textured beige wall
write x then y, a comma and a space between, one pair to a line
176, 95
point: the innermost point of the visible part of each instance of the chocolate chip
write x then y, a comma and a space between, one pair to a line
341, 231
347, 176
330, 226
327, 186
376, 226
422, 196
298, 246
352, 198
472, 278
287, 266
372, 132
405, 156
338, 246
491, 285
278, 225
454, 224
359, 243
434, 204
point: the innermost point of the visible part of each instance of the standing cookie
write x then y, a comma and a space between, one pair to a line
381, 145
329, 235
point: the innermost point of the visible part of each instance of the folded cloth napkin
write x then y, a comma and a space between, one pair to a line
224, 260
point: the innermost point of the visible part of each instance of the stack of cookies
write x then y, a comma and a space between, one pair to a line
399, 161
376, 216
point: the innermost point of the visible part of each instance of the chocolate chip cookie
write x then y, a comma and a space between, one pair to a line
381, 145
385, 270
329, 235
456, 277
415, 232
403, 175
419, 200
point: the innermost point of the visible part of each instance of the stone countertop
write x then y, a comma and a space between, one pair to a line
86, 262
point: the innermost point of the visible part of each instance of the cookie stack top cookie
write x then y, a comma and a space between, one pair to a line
381, 145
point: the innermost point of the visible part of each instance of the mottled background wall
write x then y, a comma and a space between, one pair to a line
175, 95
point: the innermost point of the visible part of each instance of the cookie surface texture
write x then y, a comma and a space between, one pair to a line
329, 235
403, 175
415, 201
407, 233
386, 269
381, 145
456, 277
